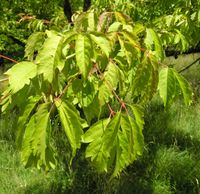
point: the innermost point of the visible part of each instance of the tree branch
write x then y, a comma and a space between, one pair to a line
187, 67
8, 58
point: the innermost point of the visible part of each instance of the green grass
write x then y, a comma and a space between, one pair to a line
14, 178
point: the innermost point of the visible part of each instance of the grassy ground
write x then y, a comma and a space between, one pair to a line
14, 178
170, 163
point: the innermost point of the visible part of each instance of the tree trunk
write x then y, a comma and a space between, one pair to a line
68, 10
86, 5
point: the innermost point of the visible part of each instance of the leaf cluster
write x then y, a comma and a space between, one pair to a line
96, 78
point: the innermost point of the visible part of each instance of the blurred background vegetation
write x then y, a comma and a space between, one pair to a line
171, 161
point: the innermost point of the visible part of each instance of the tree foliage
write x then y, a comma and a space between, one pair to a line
96, 78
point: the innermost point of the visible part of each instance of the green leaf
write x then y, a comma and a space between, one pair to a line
130, 36
68, 38
141, 82
153, 42
50, 56
126, 49
117, 141
130, 143
32, 101
99, 150
92, 110
138, 28
84, 54
102, 41
114, 27
171, 84
130, 47
34, 43
20, 75
138, 113
92, 21
109, 83
182, 39
36, 149
18, 99
120, 17
85, 92
72, 123
95, 131
185, 88
167, 85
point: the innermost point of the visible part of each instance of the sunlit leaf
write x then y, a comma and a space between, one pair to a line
99, 150
36, 148
34, 43
50, 56
102, 42
95, 131
109, 83
32, 101
84, 54
153, 43
21, 74
71, 122
167, 85
185, 88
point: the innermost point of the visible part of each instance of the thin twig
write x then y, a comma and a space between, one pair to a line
112, 112
115, 94
187, 67
61, 94
5, 57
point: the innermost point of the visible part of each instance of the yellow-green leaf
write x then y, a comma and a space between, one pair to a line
36, 148
102, 41
84, 54
72, 123
50, 56
21, 74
